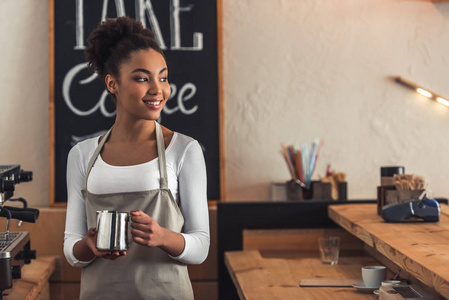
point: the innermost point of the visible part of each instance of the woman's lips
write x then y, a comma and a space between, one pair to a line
154, 104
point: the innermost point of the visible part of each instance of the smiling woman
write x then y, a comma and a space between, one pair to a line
139, 167
142, 89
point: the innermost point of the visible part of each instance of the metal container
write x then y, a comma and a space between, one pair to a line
112, 230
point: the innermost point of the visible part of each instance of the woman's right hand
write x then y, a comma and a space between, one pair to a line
86, 250
91, 239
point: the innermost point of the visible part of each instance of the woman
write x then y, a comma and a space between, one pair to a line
141, 167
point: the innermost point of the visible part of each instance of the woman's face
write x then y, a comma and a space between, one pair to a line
142, 89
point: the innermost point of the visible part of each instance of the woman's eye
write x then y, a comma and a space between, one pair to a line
165, 79
141, 79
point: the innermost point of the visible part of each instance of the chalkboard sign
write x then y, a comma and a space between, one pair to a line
80, 107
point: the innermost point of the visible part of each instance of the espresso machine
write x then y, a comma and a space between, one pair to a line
15, 248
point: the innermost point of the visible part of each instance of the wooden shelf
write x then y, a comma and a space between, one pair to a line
421, 249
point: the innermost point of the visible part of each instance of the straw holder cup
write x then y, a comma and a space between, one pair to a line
318, 191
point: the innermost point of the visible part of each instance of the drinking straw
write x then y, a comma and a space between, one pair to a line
284, 153
311, 165
299, 166
304, 162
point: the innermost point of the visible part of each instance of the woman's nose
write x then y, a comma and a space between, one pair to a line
154, 88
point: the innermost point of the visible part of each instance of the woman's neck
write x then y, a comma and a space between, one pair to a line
133, 132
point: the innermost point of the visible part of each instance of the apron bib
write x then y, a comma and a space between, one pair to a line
144, 272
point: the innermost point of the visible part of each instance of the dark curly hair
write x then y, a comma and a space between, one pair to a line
113, 41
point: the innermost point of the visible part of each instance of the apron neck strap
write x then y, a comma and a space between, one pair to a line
160, 153
94, 157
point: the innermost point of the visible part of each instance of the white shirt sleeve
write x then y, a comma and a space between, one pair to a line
76, 221
192, 182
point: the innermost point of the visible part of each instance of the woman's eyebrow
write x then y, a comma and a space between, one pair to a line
146, 71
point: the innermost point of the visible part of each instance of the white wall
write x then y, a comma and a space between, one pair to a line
296, 70
293, 70
24, 94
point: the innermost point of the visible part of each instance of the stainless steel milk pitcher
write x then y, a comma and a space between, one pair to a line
112, 230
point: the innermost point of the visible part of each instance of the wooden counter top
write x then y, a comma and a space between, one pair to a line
421, 249
260, 275
34, 282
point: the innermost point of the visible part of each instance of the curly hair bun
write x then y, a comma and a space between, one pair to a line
112, 42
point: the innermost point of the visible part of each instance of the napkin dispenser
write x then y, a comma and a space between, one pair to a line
402, 292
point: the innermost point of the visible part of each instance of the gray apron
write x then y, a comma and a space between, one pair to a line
144, 272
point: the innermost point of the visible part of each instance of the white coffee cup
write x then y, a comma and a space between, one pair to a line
373, 275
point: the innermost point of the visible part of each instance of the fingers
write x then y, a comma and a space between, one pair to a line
142, 241
92, 232
140, 217
92, 236
144, 234
113, 255
144, 229
136, 212
141, 227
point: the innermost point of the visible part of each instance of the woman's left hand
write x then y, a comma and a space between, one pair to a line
145, 230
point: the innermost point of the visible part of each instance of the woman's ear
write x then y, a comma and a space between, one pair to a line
111, 83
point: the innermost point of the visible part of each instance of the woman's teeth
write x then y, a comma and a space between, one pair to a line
153, 102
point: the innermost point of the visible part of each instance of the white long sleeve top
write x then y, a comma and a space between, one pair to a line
186, 179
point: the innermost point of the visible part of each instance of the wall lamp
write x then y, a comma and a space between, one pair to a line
422, 91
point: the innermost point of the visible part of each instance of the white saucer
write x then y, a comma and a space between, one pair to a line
360, 286
376, 292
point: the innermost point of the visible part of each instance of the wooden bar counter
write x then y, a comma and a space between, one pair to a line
421, 249
34, 284
260, 275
